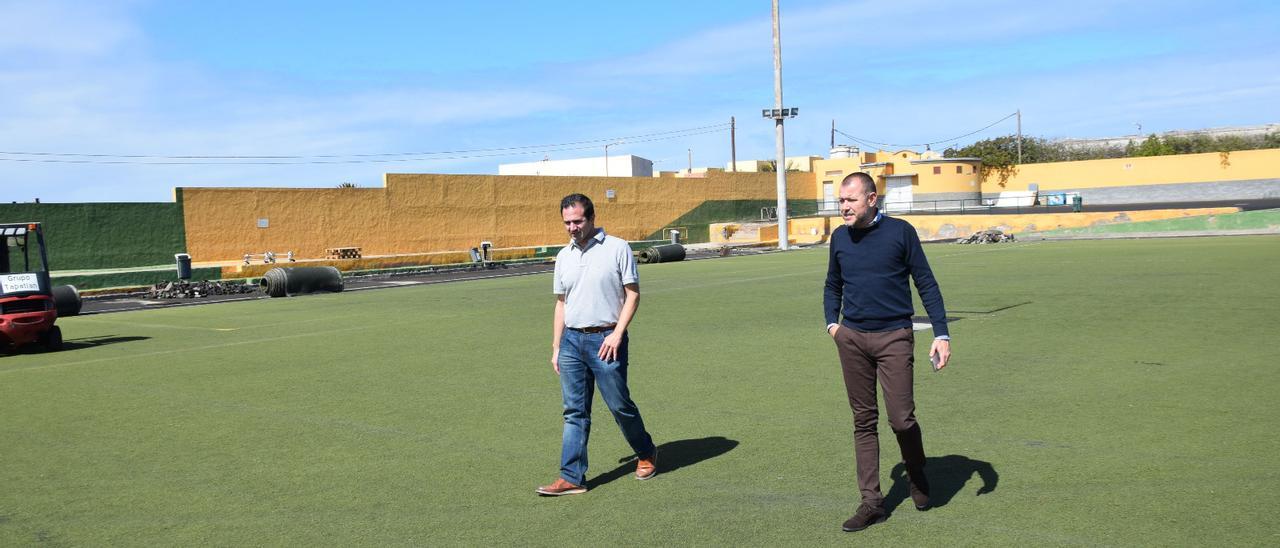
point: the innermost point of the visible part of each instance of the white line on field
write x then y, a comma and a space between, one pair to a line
95, 319
195, 348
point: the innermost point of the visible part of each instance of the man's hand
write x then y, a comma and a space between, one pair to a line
942, 348
832, 330
609, 348
555, 359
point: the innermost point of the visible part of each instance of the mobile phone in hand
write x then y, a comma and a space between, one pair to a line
936, 359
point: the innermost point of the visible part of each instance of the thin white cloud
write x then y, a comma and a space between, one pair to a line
53, 27
85, 84
78, 78
846, 34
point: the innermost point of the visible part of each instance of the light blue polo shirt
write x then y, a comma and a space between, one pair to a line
591, 280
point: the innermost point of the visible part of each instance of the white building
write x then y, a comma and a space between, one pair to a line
622, 165
794, 163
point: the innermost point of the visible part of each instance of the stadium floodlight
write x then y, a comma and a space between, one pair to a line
779, 113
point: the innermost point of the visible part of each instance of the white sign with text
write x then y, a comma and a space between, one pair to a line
14, 283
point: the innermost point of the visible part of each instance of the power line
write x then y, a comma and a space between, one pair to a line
353, 161
143, 159
870, 142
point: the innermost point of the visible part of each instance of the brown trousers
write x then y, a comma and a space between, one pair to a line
889, 356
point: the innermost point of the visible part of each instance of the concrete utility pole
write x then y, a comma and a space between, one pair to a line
733, 145
781, 168
1019, 136
606, 158
833, 134
690, 161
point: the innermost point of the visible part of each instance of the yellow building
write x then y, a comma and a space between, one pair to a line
905, 179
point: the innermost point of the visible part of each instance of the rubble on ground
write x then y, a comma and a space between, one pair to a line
992, 236
196, 290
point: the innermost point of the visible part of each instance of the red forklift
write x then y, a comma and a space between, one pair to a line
27, 310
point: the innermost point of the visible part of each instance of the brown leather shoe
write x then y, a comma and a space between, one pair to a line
561, 487
920, 494
647, 468
865, 517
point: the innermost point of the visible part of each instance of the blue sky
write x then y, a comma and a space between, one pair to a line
355, 84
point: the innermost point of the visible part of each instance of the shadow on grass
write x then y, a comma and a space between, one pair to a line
947, 476
993, 310
90, 342
72, 344
672, 456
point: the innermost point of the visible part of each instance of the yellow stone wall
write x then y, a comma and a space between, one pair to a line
938, 227
258, 269
807, 230
811, 230
941, 227
1242, 165
421, 213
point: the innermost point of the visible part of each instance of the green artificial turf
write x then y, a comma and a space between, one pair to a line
1244, 220
1101, 393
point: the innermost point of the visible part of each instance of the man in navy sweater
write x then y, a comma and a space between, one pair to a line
868, 308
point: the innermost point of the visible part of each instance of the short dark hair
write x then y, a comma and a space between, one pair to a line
868, 183
588, 208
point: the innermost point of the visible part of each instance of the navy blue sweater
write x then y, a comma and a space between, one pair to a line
867, 278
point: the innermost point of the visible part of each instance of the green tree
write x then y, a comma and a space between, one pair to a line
772, 167
999, 155
1153, 146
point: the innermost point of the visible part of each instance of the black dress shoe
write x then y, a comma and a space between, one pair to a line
866, 516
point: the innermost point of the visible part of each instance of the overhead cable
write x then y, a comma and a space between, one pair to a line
868, 141
143, 159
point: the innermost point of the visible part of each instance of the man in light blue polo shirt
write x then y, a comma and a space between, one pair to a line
597, 292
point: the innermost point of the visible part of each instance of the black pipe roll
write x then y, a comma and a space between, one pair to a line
296, 280
66, 299
663, 254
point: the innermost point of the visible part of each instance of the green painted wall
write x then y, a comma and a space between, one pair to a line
1245, 220
104, 235
696, 221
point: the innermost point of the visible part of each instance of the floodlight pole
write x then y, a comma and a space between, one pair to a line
781, 168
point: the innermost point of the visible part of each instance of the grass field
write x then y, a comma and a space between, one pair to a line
1102, 392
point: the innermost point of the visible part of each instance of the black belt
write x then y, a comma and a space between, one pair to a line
596, 329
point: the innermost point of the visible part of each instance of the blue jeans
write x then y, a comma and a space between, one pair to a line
581, 370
